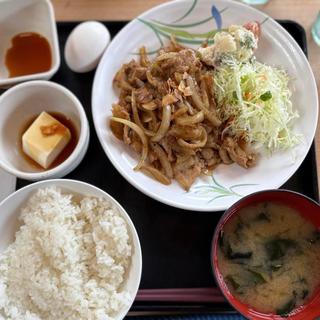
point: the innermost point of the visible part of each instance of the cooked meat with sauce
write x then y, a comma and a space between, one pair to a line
167, 113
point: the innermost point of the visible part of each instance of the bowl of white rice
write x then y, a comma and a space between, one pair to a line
68, 251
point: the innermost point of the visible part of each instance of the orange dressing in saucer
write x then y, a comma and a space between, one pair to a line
30, 53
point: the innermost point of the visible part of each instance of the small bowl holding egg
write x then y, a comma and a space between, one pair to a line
266, 256
44, 131
29, 48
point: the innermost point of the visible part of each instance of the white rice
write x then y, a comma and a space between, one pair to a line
69, 260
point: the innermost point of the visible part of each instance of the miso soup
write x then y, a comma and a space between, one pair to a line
269, 256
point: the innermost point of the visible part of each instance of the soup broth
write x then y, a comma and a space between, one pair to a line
269, 256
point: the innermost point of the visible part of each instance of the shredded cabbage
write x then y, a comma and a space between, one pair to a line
257, 99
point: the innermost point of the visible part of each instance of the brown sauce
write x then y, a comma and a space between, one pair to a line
30, 53
65, 153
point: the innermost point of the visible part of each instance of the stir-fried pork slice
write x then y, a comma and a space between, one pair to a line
187, 177
237, 154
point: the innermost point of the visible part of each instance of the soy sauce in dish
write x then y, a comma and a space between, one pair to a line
65, 153
30, 53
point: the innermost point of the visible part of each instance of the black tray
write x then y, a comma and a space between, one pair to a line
175, 243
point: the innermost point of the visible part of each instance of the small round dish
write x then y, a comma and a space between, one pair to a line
25, 101
309, 209
27, 16
9, 225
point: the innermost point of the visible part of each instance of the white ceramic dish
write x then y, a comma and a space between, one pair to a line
18, 16
9, 224
276, 47
18, 105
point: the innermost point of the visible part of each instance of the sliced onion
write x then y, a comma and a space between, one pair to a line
204, 94
225, 131
190, 120
225, 156
136, 117
152, 80
208, 80
169, 99
141, 135
191, 110
150, 106
158, 175
179, 112
195, 96
213, 118
154, 119
143, 57
199, 104
163, 158
166, 55
165, 124
146, 118
186, 132
198, 144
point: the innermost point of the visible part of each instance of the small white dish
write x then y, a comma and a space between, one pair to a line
190, 21
85, 46
9, 225
18, 16
27, 100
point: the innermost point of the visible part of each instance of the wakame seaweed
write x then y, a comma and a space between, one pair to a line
257, 277
288, 307
278, 248
233, 255
235, 285
262, 216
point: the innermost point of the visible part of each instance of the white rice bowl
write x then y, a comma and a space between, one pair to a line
71, 259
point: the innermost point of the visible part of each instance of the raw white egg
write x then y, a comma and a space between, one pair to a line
85, 46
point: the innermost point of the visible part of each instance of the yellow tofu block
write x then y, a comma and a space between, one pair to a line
45, 139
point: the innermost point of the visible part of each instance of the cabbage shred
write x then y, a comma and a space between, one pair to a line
255, 99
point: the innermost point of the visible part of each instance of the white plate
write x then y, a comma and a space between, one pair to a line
229, 183
7, 184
